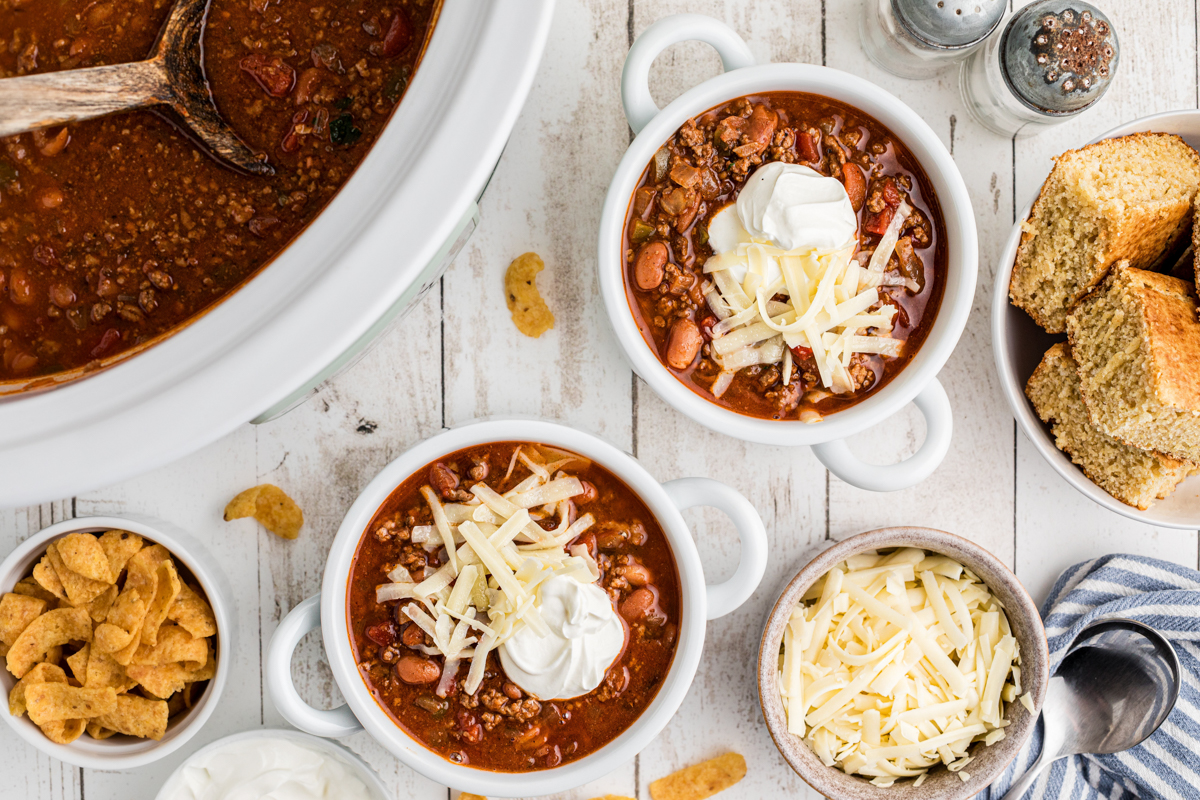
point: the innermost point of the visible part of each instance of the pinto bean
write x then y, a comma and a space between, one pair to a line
589, 493
412, 635
637, 574
443, 479
637, 605
417, 670
648, 269
20, 287
683, 344
761, 127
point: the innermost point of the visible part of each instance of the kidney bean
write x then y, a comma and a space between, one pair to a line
806, 144
638, 604
706, 326
49, 145
648, 268
683, 344
443, 479
306, 85
399, 35
107, 340
856, 185
49, 198
382, 634
512, 690
417, 670
589, 493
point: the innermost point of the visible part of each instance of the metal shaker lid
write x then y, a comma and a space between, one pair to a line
949, 23
1059, 56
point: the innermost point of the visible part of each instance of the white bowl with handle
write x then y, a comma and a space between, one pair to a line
699, 602
1018, 345
917, 382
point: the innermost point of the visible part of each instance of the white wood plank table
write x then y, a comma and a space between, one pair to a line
458, 357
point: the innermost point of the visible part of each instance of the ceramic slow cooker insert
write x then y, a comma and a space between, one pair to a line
323, 300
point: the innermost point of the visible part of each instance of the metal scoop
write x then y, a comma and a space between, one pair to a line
173, 76
1114, 689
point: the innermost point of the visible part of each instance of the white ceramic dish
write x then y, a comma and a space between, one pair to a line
318, 297
343, 754
700, 602
917, 382
125, 752
1018, 344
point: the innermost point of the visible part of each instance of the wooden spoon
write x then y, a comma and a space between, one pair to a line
173, 76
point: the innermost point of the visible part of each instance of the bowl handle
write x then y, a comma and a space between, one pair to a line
939, 424
727, 596
635, 86
334, 723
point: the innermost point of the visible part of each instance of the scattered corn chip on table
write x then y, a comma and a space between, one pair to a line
458, 356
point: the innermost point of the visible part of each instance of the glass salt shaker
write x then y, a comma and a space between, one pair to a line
919, 38
1054, 60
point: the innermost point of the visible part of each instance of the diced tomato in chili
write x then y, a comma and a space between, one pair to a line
272, 73
801, 353
878, 223
399, 35
807, 147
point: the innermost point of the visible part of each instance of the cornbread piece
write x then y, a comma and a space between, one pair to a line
1126, 198
1133, 476
1137, 343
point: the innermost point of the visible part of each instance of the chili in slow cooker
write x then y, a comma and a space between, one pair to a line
117, 230
701, 170
500, 727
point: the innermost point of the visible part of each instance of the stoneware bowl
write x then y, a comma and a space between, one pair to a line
248, 738
125, 752
1018, 344
700, 602
941, 784
917, 383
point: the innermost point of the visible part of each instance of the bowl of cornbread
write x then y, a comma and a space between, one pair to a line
1095, 321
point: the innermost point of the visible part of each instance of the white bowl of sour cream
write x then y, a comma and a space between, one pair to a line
273, 763
791, 207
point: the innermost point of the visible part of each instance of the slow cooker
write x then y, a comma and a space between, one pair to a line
353, 273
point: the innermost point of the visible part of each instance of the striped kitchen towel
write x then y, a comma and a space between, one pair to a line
1166, 597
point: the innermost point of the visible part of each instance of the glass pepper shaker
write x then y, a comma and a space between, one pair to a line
919, 38
1054, 60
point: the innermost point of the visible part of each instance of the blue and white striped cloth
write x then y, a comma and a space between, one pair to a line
1166, 597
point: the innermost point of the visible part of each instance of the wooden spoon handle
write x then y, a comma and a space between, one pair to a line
56, 98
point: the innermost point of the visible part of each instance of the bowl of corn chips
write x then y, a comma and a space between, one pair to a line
113, 640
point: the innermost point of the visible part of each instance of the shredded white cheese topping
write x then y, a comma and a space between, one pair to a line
497, 555
828, 297
894, 662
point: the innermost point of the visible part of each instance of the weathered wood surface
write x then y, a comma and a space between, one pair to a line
458, 357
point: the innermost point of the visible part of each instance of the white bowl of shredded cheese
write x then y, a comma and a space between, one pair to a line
902, 662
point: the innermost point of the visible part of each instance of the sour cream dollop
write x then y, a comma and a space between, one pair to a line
586, 636
268, 769
787, 205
